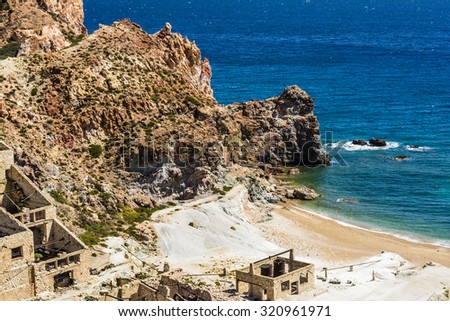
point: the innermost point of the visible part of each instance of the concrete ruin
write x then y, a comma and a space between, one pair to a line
37, 252
275, 277
171, 289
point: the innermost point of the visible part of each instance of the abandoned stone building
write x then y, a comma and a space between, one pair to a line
37, 252
171, 289
275, 277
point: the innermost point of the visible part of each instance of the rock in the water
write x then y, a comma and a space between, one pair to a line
303, 193
377, 142
401, 158
360, 142
294, 171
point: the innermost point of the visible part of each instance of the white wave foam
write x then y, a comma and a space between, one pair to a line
418, 148
349, 146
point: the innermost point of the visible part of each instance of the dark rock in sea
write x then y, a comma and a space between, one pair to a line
360, 142
303, 193
377, 142
401, 158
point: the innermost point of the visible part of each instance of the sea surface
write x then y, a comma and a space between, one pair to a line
376, 68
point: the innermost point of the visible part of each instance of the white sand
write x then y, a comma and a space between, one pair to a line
221, 230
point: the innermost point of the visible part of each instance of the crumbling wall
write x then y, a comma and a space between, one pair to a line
16, 281
61, 238
175, 287
148, 293
35, 198
6, 160
171, 290
45, 280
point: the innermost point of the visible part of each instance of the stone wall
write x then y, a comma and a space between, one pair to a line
6, 160
61, 238
16, 281
36, 198
45, 280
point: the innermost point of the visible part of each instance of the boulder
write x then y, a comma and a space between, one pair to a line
360, 142
377, 142
303, 193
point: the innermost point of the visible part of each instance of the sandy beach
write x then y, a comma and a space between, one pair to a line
336, 242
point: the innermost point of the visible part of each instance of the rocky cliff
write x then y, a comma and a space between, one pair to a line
29, 26
122, 118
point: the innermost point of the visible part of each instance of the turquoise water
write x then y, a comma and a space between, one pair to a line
375, 68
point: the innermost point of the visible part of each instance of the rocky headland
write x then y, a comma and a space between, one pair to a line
122, 119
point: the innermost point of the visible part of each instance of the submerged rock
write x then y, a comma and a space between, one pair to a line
401, 158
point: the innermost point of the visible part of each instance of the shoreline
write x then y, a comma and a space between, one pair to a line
327, 238
419, 239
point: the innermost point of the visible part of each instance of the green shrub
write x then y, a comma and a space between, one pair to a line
171, 117
95, 150
139, 214
58, 197
215, 190
94, 192
141, 276
192, 100
74, 40
154, 98
9, 50
38, 256
89, 239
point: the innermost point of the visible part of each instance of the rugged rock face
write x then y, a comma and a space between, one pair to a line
29, 26
279, 131
124, 117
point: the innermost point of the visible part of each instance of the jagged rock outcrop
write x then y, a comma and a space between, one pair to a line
123, 116
280, 131
29, 26
303, 193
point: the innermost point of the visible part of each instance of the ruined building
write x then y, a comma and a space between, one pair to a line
37, 252
275, 277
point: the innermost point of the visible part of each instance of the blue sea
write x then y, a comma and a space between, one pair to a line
376, 68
